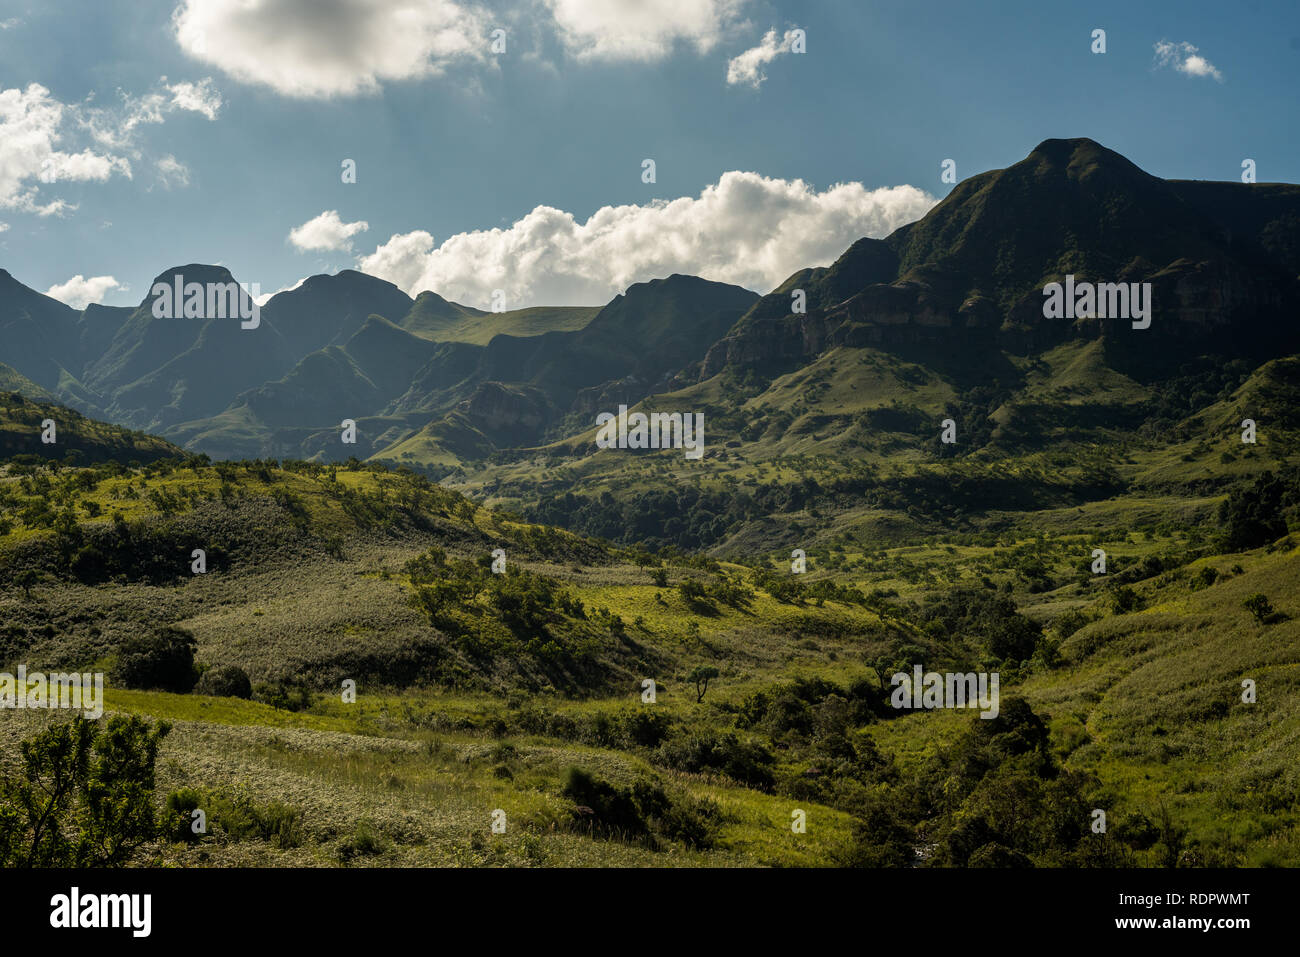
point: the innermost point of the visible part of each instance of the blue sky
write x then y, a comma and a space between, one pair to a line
232, 121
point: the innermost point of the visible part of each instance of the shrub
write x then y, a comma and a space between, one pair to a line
783, 713
235, 815
748, 762
613, 809
181, 806
642, 811
1252, 516
691, 821
993, 622
286, 695
880, 837
1124, 600
644, 728
163, 660
783, 588
365, 839
1137, 831
225, 681
693, 593
82, 796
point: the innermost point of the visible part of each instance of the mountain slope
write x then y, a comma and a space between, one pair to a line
38, 334
970, 274
11, 380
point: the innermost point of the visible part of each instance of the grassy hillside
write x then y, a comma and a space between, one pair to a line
13, 381
76, 439
522, 692
315, 574
436, 319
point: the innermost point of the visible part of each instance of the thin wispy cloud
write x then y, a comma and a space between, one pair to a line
747, 68
201, 97
172, 173
115, 127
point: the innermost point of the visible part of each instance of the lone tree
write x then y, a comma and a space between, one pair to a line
1259, 606
702, 675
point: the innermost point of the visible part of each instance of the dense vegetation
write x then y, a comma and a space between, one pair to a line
525, 684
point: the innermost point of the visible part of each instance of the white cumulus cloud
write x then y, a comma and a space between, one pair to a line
79, 292
746, 229
325, 232
642, 29
33, 127
314, 49
38, 135
747, 68
1185, 58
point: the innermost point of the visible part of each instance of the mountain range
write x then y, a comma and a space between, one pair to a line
941, 319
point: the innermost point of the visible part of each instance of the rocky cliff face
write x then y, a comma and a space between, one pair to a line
509, 415
607, 396
769, 342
